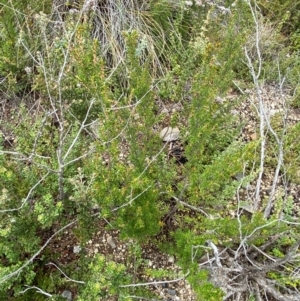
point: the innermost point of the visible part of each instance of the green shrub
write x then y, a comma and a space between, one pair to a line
103, 279
285, 11
18, 41
93, 143
291, 154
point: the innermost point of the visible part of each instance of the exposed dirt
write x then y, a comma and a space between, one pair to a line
107, 242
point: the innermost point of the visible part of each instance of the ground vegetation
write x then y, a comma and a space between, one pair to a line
149, 150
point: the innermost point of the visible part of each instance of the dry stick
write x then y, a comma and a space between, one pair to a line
255, 77
216, 252
155, 282
22, 156
262, 134
202, 261
130, 202
61, 118
263, 253
264, 121
279, 161
70, 279
280, 142
38, 290
190, 206
136, 297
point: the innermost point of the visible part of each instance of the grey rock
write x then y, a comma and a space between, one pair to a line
111, 242
219, 99
76, 249
239, 176
67, 294
171, 292
171, 259
150, 263
169, 134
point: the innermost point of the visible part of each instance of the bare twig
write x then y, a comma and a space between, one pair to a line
155, 282
190, 206
216, 252
132, 199
70, 279
38, 290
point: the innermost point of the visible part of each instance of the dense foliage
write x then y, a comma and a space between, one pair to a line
85, 92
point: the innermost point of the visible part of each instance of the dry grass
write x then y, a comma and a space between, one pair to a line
110, 19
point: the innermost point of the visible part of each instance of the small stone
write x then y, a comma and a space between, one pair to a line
171, 259
249, 187
67, 294
169, 134
96, 208
234, 112
171, 292
111, 242
176, 108
253, 136
239, 176
76, 249
219, 99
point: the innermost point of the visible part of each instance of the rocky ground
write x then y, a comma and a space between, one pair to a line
107, 242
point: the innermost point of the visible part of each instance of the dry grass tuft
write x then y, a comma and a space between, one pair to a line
110, 19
